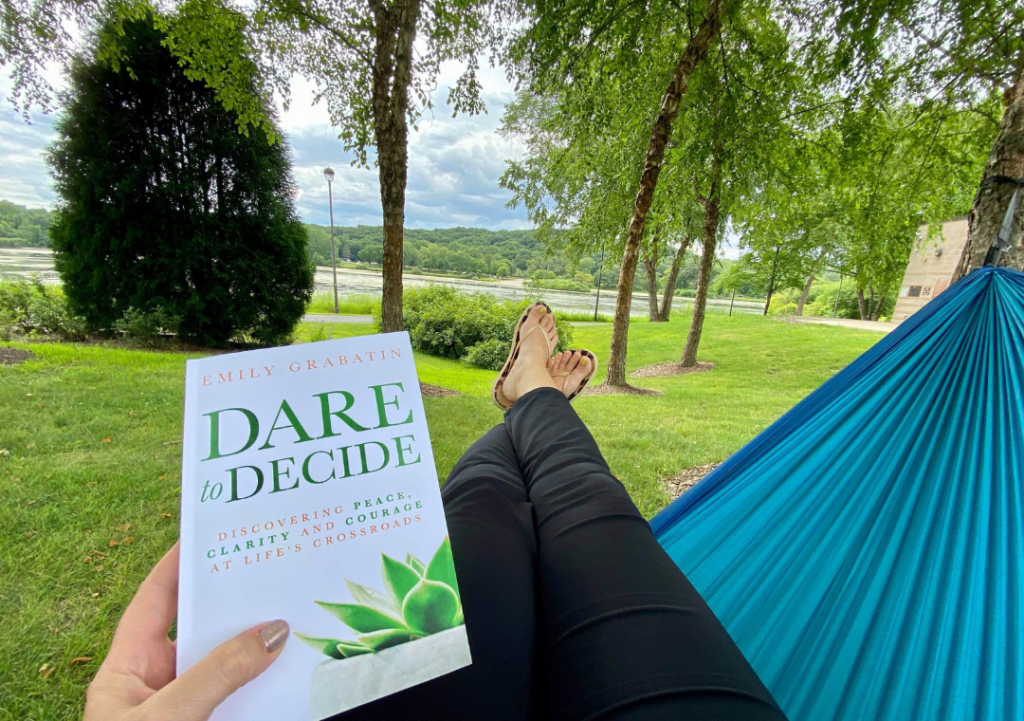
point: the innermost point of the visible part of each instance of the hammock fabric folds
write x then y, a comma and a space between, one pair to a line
866, 551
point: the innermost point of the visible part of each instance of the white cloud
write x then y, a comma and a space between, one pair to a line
454, 163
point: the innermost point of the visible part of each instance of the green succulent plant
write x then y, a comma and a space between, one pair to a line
418, 600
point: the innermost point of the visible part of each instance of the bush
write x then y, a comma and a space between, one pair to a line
146, 326
30, 308
490, 354
557, 284
451, 323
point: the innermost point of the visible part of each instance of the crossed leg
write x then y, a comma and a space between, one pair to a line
490, 523
622, 633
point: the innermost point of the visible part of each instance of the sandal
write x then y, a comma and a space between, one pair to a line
497, 394
591, 369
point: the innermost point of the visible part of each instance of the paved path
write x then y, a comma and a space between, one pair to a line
872, 325
325, 318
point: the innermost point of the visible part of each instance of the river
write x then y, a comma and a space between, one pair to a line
25, 262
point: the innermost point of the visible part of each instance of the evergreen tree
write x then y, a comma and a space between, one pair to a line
165, 206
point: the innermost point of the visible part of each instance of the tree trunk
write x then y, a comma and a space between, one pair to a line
651, 267
1005, 160
810, 281
803, 296
707, 259
670, 283
862, 306
771, 282
392, 73
696, 51
709, 238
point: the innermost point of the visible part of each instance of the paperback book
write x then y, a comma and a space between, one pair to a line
309, 493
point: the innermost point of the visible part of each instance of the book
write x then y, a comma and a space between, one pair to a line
309, 493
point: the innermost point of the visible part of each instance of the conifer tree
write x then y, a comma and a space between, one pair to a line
165, 206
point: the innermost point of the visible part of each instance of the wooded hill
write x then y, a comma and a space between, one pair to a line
22, 227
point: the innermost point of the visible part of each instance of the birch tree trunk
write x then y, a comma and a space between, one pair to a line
1006, 160
673, 276
803, 296
771, 282
651, 268
696, 50
392, 75
709, 242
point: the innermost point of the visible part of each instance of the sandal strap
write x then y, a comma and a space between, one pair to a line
538, 326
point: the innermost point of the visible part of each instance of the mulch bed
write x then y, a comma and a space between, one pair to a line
430, 391
10, 356
664, 370
603, 390
687, 478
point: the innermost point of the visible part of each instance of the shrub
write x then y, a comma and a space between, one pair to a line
28, 308
450, 323
143, 325
490, 354
557, 284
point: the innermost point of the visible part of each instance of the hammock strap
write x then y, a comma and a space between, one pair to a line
1002, 241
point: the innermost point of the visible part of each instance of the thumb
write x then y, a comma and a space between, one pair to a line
195, 694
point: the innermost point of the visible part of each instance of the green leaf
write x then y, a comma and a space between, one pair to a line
373, 598
386, 639
442, 567
326, 646
430, 607
415, 564
459, 618
348, 649
398, 578
361, 619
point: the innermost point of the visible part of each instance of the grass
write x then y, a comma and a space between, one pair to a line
577, 317
92, 438
351, 304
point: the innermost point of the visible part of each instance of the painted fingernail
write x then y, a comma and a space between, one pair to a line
273, 635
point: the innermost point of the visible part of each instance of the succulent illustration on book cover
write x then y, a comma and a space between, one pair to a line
419, 600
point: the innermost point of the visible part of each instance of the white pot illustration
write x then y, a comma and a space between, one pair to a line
340, 685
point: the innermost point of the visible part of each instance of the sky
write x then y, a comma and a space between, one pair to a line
454, 163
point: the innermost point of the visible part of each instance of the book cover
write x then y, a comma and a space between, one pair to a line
309, 493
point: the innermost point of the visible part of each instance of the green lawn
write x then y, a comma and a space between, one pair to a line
92, 457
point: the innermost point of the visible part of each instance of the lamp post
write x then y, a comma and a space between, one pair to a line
329, 176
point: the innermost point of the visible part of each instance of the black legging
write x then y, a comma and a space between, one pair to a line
573, 609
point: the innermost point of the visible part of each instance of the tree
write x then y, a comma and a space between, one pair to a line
360, 54
592, 102
164, 206
958, 51
696, 50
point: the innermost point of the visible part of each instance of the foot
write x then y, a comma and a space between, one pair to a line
530, 368
568, 369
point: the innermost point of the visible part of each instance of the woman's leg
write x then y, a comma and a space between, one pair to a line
623, 634
490, 523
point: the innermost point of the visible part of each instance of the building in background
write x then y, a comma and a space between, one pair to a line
931, 267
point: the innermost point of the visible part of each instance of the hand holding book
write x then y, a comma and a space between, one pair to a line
137, 680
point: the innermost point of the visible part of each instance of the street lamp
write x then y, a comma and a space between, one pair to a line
329, 176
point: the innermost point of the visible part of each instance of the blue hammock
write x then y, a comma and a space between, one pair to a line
866, 551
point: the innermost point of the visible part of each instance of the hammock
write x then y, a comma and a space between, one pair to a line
866, 551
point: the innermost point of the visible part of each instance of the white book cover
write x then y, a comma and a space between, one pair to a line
309, 493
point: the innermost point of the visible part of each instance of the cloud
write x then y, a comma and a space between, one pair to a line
454, 163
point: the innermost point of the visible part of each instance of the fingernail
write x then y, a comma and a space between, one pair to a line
273, 635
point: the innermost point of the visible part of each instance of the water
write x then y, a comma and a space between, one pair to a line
24, 262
